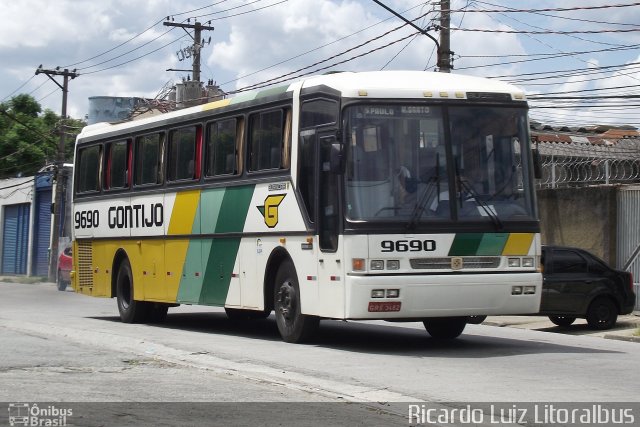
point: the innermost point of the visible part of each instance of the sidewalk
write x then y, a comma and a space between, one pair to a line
627, 327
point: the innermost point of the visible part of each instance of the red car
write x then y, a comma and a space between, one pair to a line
64, 269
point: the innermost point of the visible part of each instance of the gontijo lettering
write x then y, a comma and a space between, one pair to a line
136, 216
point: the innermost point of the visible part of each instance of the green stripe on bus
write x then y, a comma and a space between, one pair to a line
272, 91
234, 209
210, 204
231, 206
478, 244
217, 276
247, 96
190, 284
465, 244
492, 244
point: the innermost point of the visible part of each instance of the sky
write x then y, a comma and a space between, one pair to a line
579, 66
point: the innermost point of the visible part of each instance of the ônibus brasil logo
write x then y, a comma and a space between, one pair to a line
27, 414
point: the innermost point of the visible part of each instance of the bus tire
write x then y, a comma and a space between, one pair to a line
445, 328
131, 311
294, 327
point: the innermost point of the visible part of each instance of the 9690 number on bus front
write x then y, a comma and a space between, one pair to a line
408, 245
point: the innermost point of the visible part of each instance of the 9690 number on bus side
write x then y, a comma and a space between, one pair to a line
87, 219
408, 245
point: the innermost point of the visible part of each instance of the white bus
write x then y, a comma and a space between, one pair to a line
396, 195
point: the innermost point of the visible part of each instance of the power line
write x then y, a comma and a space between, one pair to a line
282, 79
136, 36
484, 30
508, 9
317, 48
19, 87
557, 9
26, 126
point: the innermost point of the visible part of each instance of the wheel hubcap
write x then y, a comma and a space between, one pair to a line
286, 301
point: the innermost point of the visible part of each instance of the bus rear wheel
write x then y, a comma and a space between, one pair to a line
445, 328
294, 327
131, 311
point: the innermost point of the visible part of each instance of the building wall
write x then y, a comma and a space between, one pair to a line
584, 217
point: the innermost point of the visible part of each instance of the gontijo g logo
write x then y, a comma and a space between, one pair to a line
270, 209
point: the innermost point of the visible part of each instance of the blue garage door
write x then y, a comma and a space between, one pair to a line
42, 233
15, 242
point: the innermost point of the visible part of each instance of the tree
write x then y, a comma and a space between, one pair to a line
29, 137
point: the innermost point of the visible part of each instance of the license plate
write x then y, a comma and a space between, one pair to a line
375, 307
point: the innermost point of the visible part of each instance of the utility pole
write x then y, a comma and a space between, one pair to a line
57, 206
444, 54
197, 43
422, 31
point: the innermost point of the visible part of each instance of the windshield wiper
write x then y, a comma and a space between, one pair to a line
476, 197
432, 183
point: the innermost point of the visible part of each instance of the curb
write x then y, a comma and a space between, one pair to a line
629, 338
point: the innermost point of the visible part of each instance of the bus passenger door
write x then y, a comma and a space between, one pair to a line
331, 265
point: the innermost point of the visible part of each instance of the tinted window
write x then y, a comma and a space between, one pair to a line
88, 178
182, 154
318, 112
307, 175
118, 165
148, 168
221, 148
266, 140
566, 261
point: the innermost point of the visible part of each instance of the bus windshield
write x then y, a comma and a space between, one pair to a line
407, 163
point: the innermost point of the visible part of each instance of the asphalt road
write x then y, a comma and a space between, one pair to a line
199, 368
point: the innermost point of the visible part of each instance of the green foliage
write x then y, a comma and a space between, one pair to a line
29, 137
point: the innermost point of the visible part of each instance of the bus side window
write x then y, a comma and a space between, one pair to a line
148, 152
307, 171
117, 165
89, 170
266, 140
221, 152
182, 159
318, 112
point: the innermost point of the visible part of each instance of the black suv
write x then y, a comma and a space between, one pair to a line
579, 284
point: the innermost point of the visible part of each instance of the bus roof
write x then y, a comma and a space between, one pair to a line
371, 84
410, 84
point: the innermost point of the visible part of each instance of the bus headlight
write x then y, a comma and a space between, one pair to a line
377, 264
377, 293
393, 264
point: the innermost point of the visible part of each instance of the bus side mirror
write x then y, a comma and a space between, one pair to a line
336, 159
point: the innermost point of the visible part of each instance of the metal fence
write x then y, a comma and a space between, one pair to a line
628, 234
575, 165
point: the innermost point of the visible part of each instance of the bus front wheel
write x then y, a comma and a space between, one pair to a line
131, 311
294, 327
445, 328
